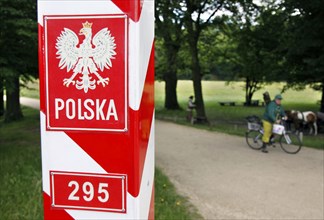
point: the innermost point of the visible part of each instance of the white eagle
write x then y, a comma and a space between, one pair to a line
85, 59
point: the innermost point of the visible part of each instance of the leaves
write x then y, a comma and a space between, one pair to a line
18, 37
305, 42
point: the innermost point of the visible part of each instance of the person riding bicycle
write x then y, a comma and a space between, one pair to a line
272, 115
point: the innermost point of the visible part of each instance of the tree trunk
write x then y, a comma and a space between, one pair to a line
250, 88
194, 29
1, 97
171, 100
247, 91
196, 77
322, 101
13, 110
170, 77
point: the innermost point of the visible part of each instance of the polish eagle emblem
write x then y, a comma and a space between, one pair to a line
86, 59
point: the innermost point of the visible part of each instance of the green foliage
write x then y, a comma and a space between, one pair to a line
257, 32
169, 24
217, 54
305, 44
18, 39
169, 36
159, 59
20, 173
213, 45
195, 24
305, 55
18, 51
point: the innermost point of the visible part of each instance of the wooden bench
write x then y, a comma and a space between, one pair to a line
254, 103
227, 103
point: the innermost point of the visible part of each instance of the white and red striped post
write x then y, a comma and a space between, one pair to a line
96, 62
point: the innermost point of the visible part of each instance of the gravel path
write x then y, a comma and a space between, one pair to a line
225, 179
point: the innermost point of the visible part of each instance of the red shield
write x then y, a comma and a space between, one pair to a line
86, 72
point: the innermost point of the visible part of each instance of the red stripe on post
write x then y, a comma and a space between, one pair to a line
132, 8
54, 214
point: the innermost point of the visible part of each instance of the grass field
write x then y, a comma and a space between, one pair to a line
21, 181
228, 119
20, 173
231, 119
31, 90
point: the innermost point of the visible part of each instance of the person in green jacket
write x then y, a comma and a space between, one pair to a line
273, 114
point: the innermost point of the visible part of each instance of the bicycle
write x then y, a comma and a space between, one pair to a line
289, 141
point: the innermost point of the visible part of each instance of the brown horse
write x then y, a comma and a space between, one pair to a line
300, 118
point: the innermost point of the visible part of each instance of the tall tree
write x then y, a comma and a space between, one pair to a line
18, 50
305, 43
169, 23
258, 33
195, 23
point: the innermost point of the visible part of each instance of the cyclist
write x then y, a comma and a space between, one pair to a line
273, 113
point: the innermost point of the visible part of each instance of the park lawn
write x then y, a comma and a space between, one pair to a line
31, 89
21, 180
20, 173
228, 119
218, 91
231, 119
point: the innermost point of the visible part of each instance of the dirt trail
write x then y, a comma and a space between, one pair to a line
225, 179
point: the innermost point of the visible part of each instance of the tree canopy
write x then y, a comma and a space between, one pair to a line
18, 50
305, 44
256, 41
259, 42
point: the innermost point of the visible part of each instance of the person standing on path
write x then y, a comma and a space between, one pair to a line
273, 114
191, 106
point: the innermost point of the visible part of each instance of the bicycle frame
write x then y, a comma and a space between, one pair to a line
289, 141
287, 138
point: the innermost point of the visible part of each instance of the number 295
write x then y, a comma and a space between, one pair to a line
88, 192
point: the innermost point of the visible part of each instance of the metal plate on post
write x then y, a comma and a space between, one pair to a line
86, 72
88, 191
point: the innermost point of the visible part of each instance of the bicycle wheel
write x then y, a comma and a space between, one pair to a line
254, 139
290, 143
